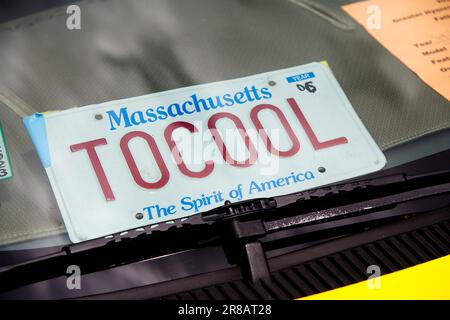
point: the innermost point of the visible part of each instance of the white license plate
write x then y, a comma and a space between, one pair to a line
124, 164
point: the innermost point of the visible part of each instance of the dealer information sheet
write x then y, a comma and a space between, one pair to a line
416, 31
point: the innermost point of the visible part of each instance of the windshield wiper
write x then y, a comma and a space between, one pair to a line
247, 226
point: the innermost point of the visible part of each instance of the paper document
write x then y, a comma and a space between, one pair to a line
416, 31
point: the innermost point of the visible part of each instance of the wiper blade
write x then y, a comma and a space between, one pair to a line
248, 207
359, 207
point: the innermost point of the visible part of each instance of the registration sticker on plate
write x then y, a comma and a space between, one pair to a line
125, 164
5, 164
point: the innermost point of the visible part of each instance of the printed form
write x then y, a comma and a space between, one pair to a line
416, 31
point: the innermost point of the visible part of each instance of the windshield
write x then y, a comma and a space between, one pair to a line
60, 55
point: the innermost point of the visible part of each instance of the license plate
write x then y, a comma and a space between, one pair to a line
125, 164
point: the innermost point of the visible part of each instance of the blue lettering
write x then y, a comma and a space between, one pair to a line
137, 118
176, 112
266, 93
117, 119
229, 100
309, 175
162, 113
151, 116
184, 107
239, 98
187, 204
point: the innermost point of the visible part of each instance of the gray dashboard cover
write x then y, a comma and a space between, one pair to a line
131, 48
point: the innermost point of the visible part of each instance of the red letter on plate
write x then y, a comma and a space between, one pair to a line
262, 132
101, 176
223, 149
132, 164
209, 165
309, 131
